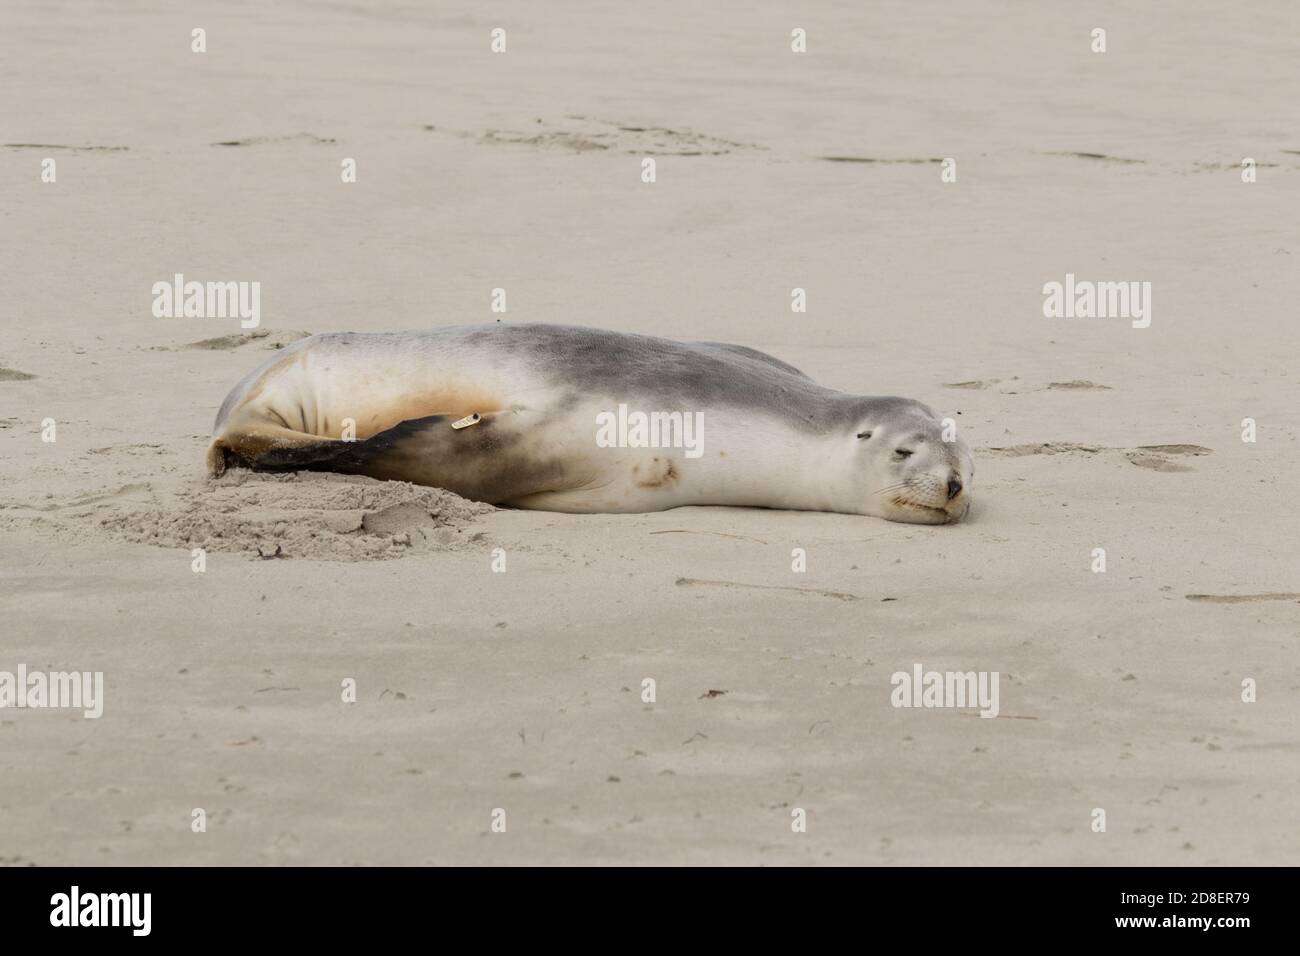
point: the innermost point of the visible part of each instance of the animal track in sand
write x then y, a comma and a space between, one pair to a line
1215, 167
268, 338
818, 592
584, 134
135, 449
1244, 598
881, 161
1075, 385
1078, 384
720, 534
74, 149
1196, 167
974, 384
1074, 154
1155, 457
311, 138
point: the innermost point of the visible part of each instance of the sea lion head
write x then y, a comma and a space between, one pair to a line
917, 468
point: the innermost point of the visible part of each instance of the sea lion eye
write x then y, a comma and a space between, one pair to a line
864, 434
902, 453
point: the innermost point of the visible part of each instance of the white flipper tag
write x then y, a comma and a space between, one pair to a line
467, 421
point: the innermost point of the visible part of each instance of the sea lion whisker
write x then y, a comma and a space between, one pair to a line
889, 488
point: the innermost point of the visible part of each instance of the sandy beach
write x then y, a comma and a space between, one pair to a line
478, 691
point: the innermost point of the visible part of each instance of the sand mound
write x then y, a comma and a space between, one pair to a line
298, 515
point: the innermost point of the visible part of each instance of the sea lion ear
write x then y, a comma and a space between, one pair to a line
865, 434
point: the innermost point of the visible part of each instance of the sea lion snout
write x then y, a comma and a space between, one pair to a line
920, 467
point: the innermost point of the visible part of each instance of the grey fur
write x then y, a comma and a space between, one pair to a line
674, 374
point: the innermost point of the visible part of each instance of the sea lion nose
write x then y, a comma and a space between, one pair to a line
954, 487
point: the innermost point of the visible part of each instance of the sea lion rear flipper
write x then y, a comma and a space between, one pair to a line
476, 456
274, 448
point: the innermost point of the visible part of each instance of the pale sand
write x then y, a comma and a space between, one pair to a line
522, 690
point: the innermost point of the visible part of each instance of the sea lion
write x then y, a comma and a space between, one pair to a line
563, 418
